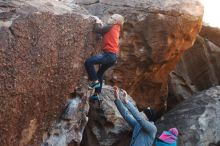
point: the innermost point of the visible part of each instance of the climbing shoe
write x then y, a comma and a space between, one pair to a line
94, 85
94, 97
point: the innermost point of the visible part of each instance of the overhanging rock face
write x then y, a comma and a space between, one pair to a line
198, 68
197, 119
43, 47
155, 35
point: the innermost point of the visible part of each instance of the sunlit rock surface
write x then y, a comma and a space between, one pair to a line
43, 45
199, 67
197, 119
155, 35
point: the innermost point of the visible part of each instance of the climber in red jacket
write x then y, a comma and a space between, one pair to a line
108, 57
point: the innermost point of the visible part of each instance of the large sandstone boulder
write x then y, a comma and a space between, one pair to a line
197, 119
43, 45
155, 35
199, 67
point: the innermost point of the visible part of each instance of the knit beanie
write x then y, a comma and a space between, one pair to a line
174, 131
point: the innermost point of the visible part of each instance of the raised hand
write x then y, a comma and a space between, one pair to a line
124, 97
96, 19
116, 92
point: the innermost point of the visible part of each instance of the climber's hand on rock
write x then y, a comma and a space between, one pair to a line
96, 19
91, 18
99, 21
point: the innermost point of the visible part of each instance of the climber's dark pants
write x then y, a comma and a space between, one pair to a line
105, 60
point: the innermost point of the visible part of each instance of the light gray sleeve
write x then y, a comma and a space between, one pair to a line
125, 113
